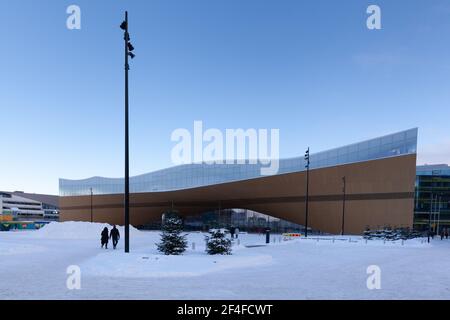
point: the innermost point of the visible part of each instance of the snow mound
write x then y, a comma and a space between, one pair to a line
78, 230
137, 265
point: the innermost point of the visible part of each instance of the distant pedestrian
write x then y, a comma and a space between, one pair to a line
232, 232
446, 233
442, 234
236, 232
104, 238
115, 236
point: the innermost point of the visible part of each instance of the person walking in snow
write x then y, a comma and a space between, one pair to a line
104, 238
232, 232
442, 234
236, 232
115, 236
446, 233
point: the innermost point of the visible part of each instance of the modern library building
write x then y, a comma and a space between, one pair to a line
369, 184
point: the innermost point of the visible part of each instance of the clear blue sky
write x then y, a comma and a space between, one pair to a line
310, 68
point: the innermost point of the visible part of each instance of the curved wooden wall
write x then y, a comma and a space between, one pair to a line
379, 192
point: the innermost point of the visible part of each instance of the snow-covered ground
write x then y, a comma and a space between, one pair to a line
33, 265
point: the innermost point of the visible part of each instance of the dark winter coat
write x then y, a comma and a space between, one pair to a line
104, 237
115, 235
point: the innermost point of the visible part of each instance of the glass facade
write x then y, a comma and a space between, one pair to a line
432, 198
245, 220
197, 175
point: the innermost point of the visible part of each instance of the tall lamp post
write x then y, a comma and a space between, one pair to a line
439, 214
220, 213
128, 53
307, 191
429, 216
92, 211
343, 204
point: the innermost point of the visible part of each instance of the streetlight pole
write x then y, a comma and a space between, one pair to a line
128, 53
429, 216
92, 215
433, 223
307, 191
439, 215
220, 212
343, 205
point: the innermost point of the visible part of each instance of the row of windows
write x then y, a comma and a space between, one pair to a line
22, 208
18, 203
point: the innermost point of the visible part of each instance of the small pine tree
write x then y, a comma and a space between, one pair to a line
172, 241
217, 243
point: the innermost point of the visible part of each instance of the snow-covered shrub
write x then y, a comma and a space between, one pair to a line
390, 234
172, 241
217, 243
